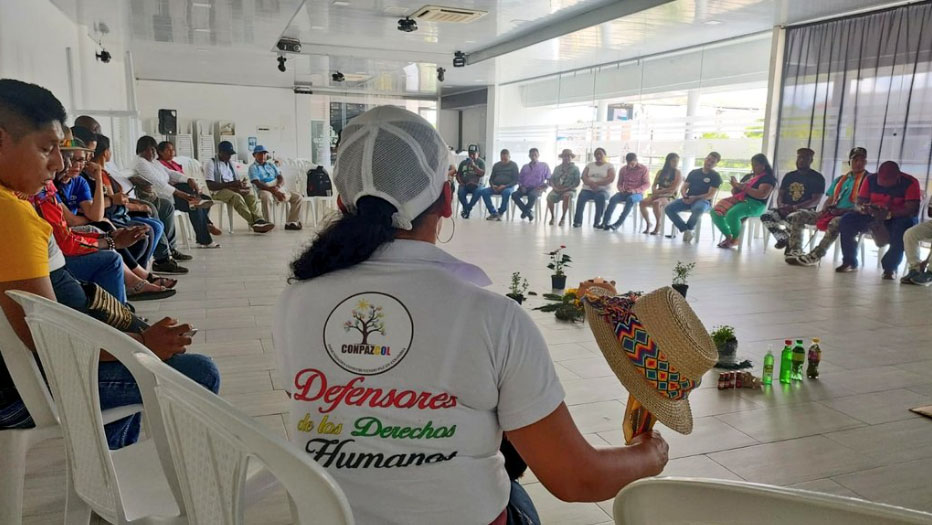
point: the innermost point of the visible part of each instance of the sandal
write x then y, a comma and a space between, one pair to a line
136, 294
164, 282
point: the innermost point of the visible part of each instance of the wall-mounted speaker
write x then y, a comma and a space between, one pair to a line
168, 122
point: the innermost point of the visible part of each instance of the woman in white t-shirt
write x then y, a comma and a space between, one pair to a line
402, 372
597, 180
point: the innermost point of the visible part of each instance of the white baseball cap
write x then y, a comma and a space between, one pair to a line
393, 154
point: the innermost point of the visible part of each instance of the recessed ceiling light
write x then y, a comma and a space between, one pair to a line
713, 22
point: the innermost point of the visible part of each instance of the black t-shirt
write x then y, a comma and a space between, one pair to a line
766, 179
801, 186
699, 182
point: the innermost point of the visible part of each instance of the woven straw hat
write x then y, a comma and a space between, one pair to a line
657, 347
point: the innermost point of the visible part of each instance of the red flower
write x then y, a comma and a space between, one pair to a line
562, 246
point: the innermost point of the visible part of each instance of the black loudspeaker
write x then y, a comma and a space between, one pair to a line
168, 122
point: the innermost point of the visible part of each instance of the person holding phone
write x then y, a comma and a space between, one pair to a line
748, 199
469, 176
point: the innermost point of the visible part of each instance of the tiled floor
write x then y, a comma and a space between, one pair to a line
847, 433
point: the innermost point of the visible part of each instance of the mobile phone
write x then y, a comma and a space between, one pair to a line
190, 333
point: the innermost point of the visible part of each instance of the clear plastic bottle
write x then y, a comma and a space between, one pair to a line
815, 357
767, 379
786, 362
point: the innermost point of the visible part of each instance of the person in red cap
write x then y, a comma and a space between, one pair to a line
890, 197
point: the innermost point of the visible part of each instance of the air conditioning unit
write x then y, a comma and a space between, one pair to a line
450, 15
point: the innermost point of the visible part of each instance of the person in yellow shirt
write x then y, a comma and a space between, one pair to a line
31, 122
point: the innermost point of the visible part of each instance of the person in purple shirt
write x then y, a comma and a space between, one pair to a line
532, 180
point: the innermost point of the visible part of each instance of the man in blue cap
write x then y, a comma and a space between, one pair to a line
270, 185
226, 187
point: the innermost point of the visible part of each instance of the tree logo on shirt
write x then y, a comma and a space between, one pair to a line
368, 333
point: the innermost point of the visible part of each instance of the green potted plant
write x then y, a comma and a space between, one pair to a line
724, 338
518, 287
680, 273
565, 307
558, 261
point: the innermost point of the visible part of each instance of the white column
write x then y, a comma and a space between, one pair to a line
692, 108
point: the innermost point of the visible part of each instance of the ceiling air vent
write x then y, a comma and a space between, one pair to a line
453, 15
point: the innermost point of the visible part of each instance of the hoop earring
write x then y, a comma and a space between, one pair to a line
452, 232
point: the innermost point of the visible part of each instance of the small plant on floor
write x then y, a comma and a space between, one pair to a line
723, 335
559, 261
681, 273
518, 287
565, 307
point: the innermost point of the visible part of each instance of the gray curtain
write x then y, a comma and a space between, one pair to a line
859, 81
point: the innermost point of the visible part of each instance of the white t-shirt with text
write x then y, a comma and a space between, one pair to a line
402, 374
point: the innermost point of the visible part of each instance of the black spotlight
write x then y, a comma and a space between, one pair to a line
338, 77
459, 59
407, 25
104, 56
281, 63
440, 72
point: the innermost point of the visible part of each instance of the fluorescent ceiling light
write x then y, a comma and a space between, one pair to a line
201, 30
713, 22
201, 4
341, 3
529, 34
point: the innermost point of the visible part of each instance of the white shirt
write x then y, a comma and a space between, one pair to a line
598, 173
56, 257
158, 176
226, 171
448, 366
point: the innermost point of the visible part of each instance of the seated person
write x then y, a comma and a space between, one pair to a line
152, 185
30, 131
469, 176
501, 182
226, 187
633, 181
597, 178
532, 181
842, 197
270, 184
95, 256
197, 209
888, 197
918, 272
666, 184
748, 199
563, 183
800, 189
698, 191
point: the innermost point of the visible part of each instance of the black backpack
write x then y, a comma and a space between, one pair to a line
318, 182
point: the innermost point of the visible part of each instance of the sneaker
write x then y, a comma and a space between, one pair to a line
889, 276
498, 217
293, 226
809, 259
178, 256
910, 275
577, 225
612, 227
524, 215
530, 217
169, 266
263, 227
493, 217
260, 222
781, 244
464, 215
846, 268
209, 246
793, 254
923, 279
688, 236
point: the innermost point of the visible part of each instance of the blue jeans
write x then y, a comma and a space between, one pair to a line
520, 509
588, 195
199, 218
853, 224
118, 388
104, 267
465, 189
156, 232
630, 199
486, 194
531, 193
678, 206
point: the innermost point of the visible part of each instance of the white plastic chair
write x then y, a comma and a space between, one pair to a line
738, 502
311, 203
127, 486
15, 443
212, 443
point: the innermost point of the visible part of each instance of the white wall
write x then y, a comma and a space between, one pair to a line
448, 126
34, 39
474, 128
286, 115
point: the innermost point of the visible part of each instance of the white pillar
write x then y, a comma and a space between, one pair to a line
692, 108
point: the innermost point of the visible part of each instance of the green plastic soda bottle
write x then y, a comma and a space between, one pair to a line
768, 367
786, 362
799, 359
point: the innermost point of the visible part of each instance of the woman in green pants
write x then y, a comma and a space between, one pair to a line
748, 199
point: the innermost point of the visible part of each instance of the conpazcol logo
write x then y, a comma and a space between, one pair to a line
368, 333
